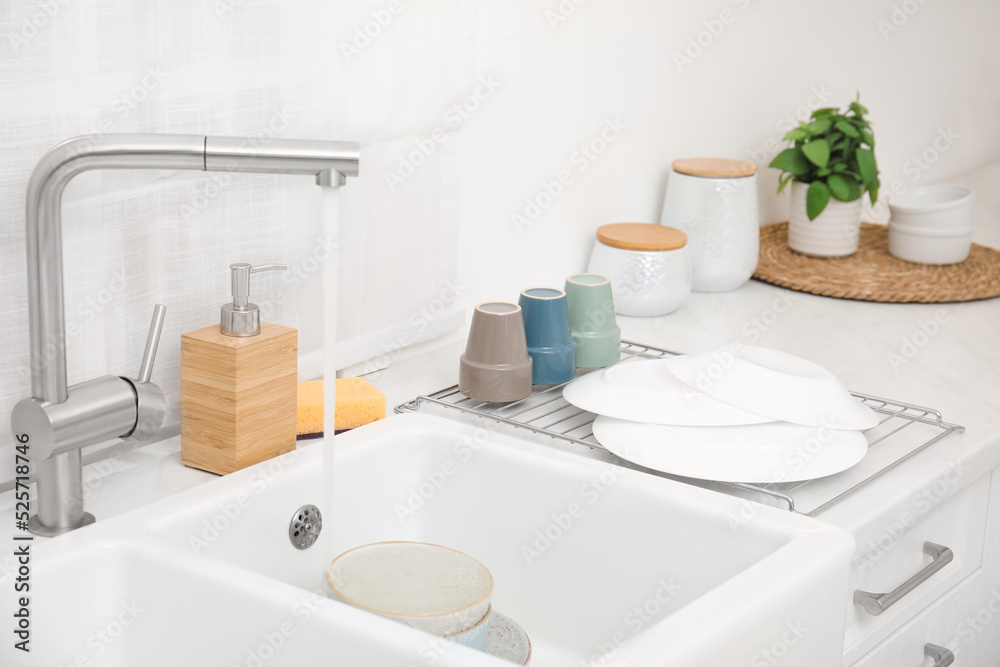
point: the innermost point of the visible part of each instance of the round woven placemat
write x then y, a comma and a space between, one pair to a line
872, 274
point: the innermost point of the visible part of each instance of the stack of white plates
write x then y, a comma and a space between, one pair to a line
736, 414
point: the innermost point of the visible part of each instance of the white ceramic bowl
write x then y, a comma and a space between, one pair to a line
646, 391
759, 453
929, 246
773, 384
474, 637
427, 586
934, 207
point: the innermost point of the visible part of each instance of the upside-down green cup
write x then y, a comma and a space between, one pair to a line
597, 335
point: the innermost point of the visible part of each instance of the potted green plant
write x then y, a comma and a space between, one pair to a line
830, 165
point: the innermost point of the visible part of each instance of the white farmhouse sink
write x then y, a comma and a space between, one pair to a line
599, 564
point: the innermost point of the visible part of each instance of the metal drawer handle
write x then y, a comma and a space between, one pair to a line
876, 603
942, 656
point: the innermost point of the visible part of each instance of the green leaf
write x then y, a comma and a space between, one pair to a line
824, 172
873, 191
858, 109
796, 135
868, 138
816, 199
843, 187
818, 126
866, 165
847, 129
838, 186
838, 142
840, 166
824, 112
817, 152
792, 161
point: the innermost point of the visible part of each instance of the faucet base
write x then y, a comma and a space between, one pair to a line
35, 526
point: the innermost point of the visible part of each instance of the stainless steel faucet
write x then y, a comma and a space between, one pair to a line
57, 421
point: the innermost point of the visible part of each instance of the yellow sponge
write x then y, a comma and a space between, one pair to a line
358, 403
310, 410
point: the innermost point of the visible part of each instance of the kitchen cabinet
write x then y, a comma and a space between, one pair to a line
964, 621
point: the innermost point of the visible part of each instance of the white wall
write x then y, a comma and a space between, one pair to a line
938, 73
537, 80
260, 69
135, 238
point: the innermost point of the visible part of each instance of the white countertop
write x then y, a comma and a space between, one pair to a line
956, 371
943, 356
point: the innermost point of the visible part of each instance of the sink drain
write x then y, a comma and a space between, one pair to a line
306, 524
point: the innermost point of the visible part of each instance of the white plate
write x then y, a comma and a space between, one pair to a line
646, 391
774, 384
757, 453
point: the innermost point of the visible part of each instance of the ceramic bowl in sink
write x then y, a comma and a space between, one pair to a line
428, 586
474, 637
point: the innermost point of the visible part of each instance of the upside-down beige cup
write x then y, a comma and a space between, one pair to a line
496, 366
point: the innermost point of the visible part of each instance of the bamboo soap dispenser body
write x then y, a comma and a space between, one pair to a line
239, 384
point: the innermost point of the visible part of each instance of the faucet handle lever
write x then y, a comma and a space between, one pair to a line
150, 405
152, 342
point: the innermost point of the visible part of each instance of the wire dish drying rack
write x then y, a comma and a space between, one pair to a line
903, 431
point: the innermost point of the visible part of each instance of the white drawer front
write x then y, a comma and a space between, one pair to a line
884, 564
957, 623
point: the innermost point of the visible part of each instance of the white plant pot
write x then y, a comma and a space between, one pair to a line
834, 232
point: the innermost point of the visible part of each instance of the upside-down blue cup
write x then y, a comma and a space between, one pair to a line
546, 328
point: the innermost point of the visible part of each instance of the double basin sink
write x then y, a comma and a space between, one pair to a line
601, 565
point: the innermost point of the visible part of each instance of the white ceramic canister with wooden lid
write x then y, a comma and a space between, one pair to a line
647, 265
714, 200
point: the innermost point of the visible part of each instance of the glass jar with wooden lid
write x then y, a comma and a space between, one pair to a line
647, 265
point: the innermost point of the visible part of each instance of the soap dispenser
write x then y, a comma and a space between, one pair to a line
239, 385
